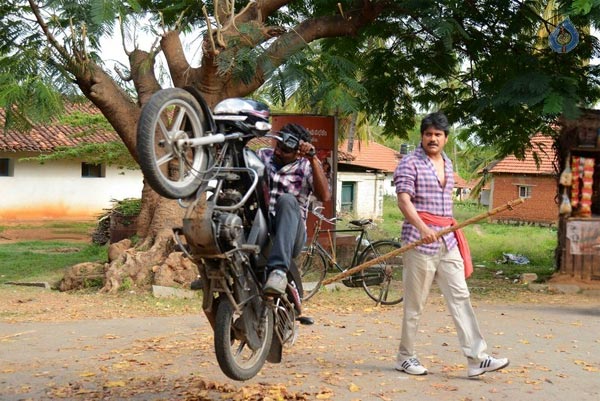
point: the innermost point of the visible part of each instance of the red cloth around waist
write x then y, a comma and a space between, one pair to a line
463, 246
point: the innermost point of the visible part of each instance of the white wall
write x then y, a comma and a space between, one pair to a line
56, 190
388, 185
368, 193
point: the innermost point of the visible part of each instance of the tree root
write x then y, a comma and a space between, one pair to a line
136, 267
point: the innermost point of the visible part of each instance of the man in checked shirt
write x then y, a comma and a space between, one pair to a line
424, 182
295, 173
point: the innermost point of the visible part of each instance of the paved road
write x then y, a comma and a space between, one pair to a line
554, 352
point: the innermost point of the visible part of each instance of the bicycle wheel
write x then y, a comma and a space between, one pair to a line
171, 115
383, 281
312, 268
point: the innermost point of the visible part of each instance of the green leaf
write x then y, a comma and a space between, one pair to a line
583, 7
553, 103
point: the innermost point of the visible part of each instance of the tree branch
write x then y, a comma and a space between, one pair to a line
178, 65
313, 29
51, 39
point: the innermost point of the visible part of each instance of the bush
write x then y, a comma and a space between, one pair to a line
125, 209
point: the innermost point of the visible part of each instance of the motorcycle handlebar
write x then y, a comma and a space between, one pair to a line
209, 139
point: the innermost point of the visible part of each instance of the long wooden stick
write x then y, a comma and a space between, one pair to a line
412, 245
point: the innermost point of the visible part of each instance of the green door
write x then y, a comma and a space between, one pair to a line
347, 196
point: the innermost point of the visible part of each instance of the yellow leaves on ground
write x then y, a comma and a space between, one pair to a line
453, 368
353, 388
254, 392
115, 383
111, 337
587, 366
444, 386
325, 394
446, 329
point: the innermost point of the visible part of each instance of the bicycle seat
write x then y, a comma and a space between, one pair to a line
361, 222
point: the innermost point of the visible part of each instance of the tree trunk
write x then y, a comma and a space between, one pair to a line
352, 133
137, 266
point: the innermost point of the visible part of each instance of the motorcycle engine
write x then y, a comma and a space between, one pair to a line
230, 230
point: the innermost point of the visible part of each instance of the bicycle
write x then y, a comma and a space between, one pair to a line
382, 282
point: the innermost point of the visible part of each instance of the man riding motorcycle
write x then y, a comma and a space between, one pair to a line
295, 174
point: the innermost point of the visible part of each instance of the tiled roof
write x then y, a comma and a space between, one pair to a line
49, 136
460, 182
372, 155
543, 146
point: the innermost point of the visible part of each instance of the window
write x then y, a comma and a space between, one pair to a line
92, 170
6, 167
524, 191
347, 203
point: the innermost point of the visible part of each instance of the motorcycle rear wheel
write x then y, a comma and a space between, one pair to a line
170, 115
236, 359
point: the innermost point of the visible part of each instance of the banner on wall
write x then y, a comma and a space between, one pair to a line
584, 237
323, 130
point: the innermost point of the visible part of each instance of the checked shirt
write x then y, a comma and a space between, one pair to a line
415, 175
295, 178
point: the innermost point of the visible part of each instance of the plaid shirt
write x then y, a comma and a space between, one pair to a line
415, 175
295, 178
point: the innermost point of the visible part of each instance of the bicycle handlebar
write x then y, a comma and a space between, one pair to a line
317, 212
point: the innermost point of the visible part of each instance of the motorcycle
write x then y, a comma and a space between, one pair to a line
201, 157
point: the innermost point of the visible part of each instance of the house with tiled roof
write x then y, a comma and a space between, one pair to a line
535, 181
59, 189
364, 176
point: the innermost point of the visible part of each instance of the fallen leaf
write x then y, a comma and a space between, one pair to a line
111, 337
117, 383
324, 396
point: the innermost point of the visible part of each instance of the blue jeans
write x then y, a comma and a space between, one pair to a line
288, 231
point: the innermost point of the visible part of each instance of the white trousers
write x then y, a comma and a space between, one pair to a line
447, 269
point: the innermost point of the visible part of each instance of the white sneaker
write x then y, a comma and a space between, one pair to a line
412, 366
490, 364
276, 283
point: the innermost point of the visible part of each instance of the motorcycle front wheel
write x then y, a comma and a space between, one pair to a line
234, 355
171, 168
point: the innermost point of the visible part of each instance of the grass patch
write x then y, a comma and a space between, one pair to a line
44, 260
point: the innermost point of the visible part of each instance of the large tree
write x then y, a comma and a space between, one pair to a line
482, 61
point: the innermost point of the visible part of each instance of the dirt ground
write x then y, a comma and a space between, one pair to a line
57, 346
88, 346
38, 231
